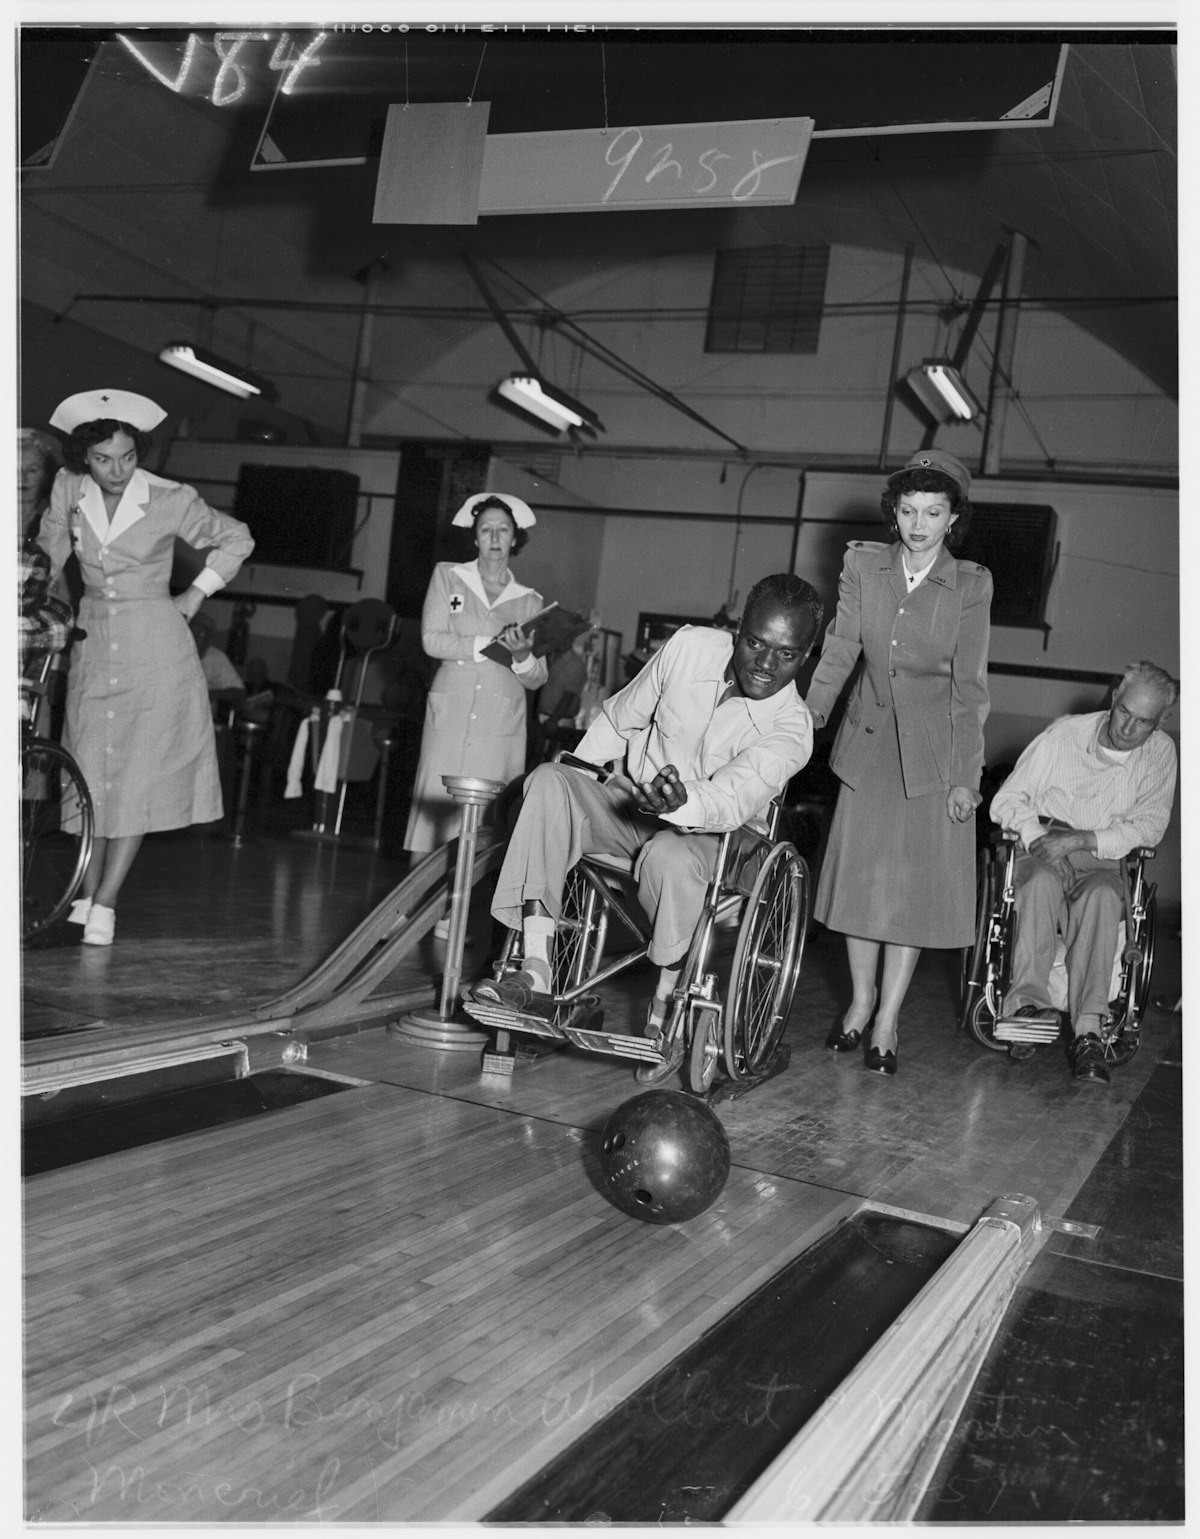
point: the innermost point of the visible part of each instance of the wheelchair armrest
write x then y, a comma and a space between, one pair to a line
1144, 852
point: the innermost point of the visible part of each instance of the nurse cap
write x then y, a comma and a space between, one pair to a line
521, 511
107, 405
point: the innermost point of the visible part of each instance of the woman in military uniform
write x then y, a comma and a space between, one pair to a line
912, 628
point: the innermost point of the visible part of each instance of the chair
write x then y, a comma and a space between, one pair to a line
759, 882
987, 963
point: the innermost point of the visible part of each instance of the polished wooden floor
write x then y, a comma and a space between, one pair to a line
397, 1303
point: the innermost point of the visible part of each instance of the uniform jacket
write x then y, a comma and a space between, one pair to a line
923, 663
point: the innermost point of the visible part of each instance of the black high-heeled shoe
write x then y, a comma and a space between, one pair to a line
881, 1063
840, 1040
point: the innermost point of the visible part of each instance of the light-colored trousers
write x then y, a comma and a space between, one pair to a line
1088, 915
566, 814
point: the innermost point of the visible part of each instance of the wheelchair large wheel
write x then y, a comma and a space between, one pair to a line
581, 932
57, 826
973, 969
766, 963
1139, 992
1122, 1039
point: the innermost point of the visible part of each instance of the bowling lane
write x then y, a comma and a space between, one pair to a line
383, 1306
955, 1128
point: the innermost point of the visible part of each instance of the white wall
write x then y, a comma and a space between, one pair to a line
564, 556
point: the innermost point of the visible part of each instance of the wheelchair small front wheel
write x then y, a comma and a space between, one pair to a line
980, 1024
704, 1055
1120, 1044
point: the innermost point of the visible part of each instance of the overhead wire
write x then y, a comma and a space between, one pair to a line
478, 72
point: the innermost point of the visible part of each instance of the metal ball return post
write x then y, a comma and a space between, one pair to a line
445, 1027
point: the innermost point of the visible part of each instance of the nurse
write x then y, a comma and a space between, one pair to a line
475, 714
138, 719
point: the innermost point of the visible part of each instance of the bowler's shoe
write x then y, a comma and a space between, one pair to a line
518, 991
654, 1073
1087, 1059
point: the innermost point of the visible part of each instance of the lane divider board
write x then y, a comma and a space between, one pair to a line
870, 1451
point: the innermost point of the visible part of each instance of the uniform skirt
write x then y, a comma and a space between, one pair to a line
138, 719
897, 868
474, 725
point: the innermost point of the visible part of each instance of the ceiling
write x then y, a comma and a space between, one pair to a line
150, 200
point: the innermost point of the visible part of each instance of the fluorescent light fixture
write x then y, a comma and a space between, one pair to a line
201, 364
537, 398
943, 392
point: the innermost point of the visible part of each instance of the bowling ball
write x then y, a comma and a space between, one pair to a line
664, 1157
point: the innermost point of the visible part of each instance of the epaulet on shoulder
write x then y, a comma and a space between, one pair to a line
974, 566
867, 545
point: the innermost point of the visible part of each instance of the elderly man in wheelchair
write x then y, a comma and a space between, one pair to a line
698, 745
1085, 805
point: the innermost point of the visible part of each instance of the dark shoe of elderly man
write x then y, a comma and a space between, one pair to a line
1087, 1059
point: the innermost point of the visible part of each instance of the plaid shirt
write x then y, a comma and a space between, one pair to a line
45, 622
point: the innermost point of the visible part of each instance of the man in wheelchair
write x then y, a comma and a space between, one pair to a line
1087, 791
700, 741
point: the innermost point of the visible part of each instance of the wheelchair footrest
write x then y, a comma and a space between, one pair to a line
615, 1043
582, 1028
1043, 1028
498, 1017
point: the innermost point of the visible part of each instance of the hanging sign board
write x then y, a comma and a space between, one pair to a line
670, 165
430, 164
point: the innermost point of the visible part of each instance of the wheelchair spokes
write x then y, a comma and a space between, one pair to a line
56, 833
766, 963
581, 934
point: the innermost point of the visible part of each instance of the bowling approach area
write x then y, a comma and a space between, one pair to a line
287, 1261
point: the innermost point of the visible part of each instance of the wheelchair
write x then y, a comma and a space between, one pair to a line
760, 884
57, 821
986, 964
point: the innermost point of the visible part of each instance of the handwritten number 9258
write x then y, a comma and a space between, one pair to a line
743, 189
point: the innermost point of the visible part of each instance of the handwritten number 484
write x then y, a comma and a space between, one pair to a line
744, 188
